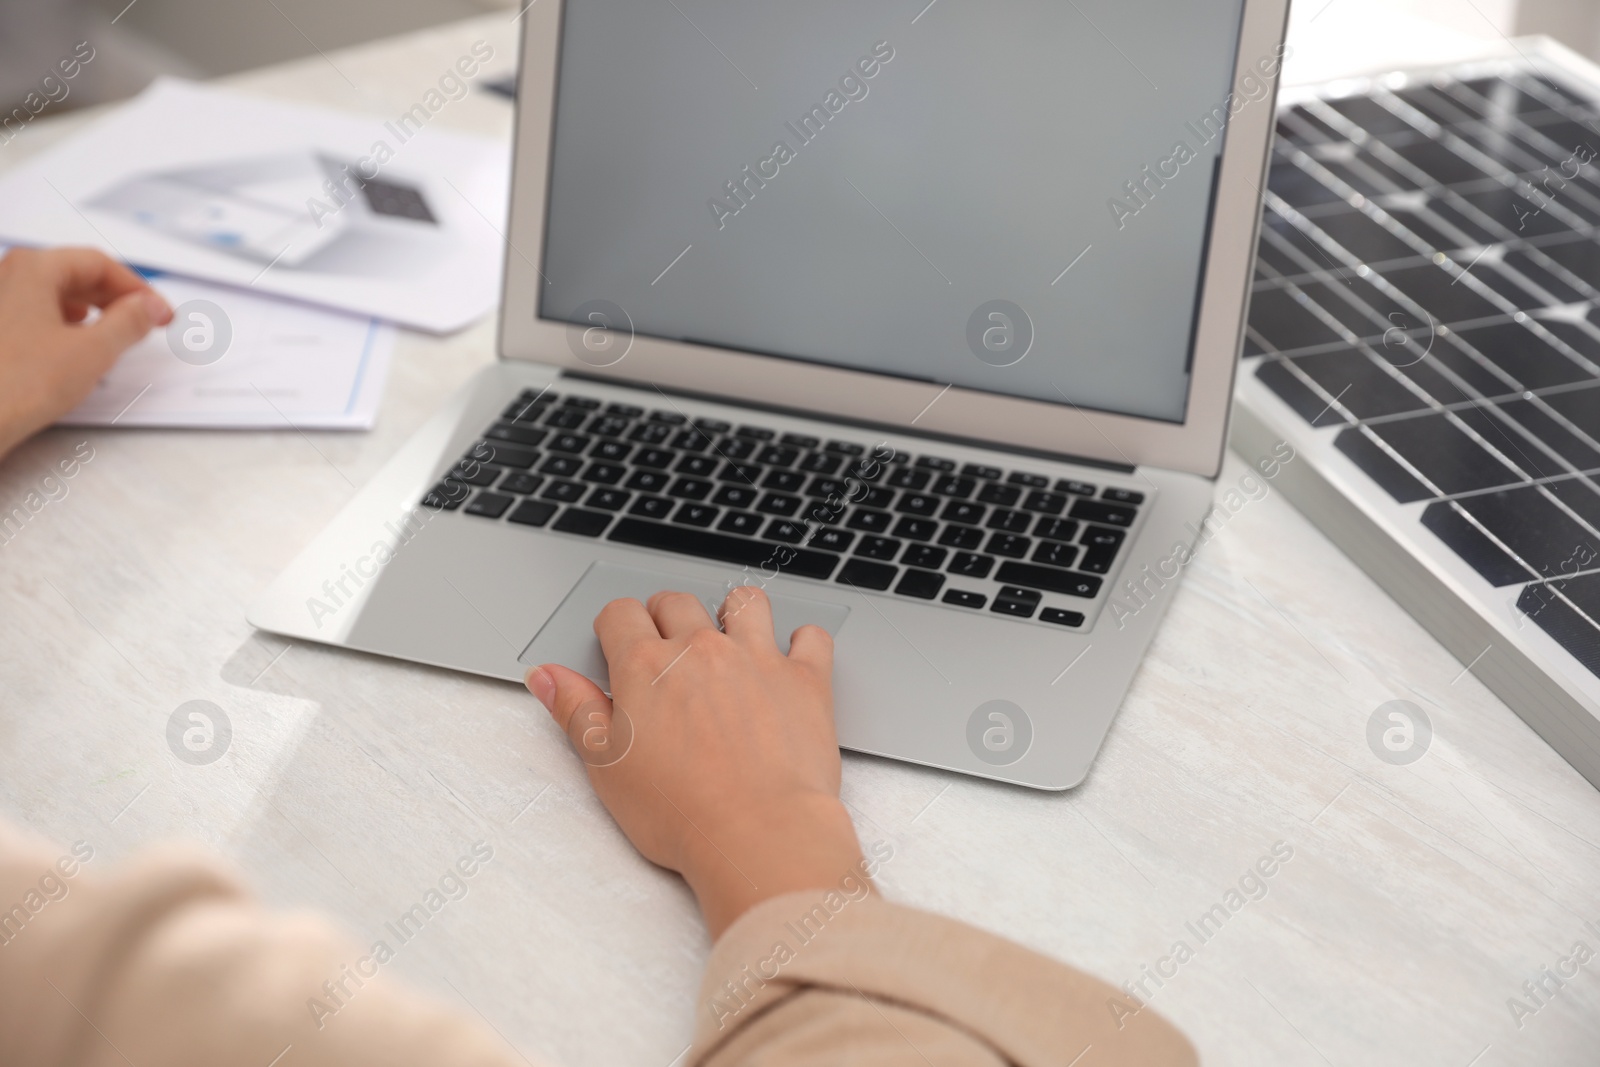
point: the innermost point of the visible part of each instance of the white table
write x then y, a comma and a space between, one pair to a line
1418, 899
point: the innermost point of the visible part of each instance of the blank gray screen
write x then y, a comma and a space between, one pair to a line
856, 183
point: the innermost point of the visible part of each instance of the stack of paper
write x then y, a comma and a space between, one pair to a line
286, 237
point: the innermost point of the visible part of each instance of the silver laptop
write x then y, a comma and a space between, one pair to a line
923, 318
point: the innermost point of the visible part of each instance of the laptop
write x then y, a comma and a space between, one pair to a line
922, 317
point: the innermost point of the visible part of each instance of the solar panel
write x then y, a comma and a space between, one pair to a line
1427, 299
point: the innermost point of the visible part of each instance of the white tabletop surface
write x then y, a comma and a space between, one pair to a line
1418, 900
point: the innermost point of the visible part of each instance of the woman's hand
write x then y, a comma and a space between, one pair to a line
718, 757
49, 358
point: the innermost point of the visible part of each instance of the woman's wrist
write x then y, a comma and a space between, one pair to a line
806, 842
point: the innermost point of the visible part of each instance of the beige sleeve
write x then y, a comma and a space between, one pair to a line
800, 979
166, 961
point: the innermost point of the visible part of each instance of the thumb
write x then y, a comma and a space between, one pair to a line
581, 709
123, 323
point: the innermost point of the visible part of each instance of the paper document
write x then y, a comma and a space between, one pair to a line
238, 359
392, 218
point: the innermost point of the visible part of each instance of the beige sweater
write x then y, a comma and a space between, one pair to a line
166, 962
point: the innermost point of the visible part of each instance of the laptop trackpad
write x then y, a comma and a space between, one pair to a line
567, 637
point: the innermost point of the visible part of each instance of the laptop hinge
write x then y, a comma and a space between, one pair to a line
866, 424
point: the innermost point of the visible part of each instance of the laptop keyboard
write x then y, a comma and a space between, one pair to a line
843, 511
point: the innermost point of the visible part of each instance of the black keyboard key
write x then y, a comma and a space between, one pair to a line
528, 407
712, 426
446, 495
924, 556
1122, 496
916, 529
800, 440
1005, 544
917, 504
1097, 560
936, 463
655, 458
908, 478
961, 511
517, 435
610, 451
832, 540
971, 565
520, 483
777, 456
961, 537
845, 448
785, 530
648, 481
739, 471
1010, 521
566, 418
604, 473
561, 466
690, 488
566, 492
532, 513
1097, 511
1103, 537
698, 466
878, 547
820, 463
490, 505
691, 514
1046, 503
864, 574
755, 433
1056, 529
978, 470
736, 496
583, 403
1004, 495
784, 481
610, 499
688, 541
1055, 554
652, 507
1048, 579
741, 522
924, 585
963, 599
627, 411
650, 433
952, 485
585, 523
1061, 617
569, 442
875, 497
779, 504
1014, 601
668, 418
471, 472
607, 426
735, 448
1032, 481
505, 455
868, 520
1072, 485
691, 440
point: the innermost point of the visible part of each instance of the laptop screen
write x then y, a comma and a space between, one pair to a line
1012, 196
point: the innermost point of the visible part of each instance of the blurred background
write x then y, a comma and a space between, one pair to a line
136, 41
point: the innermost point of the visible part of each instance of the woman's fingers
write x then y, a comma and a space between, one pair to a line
747, 616
813, 646
678, 615
622, 627
83, 275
